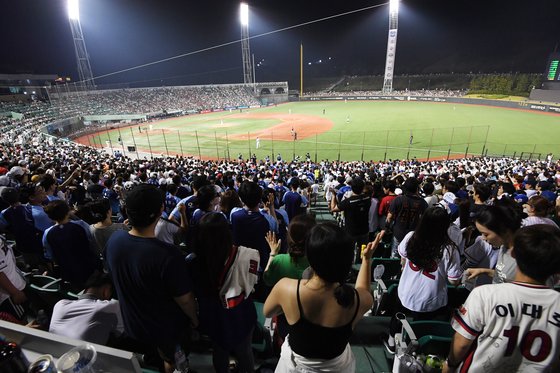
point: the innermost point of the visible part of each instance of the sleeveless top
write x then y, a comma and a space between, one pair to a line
315, 341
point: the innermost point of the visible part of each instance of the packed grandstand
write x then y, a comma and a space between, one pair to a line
67, 208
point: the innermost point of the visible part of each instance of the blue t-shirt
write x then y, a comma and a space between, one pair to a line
192, 204
40, 218
21, 222
113, 198
148, 274
294, 204
249, 229
170, 203
71, 246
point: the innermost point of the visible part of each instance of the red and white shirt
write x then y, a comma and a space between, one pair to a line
425, 290
516, 328
9, 268
239, 276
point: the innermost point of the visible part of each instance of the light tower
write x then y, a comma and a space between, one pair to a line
245, 49
391, 46
82, 57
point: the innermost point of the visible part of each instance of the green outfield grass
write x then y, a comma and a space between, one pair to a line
375, 130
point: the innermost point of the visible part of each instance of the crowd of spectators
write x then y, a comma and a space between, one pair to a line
30, 116
77, 214
421, 92
155, 100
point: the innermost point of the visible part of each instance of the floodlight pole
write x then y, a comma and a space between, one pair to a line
254, 76
245, 48
391, 46
82, 57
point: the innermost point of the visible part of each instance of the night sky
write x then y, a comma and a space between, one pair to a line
434, 36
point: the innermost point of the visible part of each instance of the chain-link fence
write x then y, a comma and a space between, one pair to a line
431, 144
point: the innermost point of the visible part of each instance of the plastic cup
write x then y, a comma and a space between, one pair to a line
78, 360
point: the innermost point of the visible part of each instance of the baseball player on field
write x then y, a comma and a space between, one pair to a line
514, 326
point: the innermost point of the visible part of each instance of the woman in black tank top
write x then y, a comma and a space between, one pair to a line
323, 308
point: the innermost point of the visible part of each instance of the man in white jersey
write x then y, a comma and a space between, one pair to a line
513, 327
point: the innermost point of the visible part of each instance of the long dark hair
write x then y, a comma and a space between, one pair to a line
330, 252
297, 232
214, 243
503, 217
430, 238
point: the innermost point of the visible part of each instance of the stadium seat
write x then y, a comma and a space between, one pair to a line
392, 267
424, 337
262, 334
47, 290
456, 295
366, 344
386, 299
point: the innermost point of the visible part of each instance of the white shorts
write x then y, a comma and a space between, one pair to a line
290, 362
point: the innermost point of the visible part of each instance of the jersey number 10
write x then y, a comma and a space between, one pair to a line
527, 342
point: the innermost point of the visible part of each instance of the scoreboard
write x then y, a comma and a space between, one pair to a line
552, 72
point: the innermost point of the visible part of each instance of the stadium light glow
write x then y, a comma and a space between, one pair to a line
244, 14
73, 10
394, 6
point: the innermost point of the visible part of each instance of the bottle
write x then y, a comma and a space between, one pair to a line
12, 359
181, 361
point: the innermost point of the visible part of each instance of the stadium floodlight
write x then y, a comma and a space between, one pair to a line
74, 10
248, 76
82, 58
391, 46
244, 14
394, 6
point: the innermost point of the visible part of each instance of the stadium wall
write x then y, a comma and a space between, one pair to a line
98, 118
545, 95
456, 100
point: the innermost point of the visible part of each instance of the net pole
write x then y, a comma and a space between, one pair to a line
339, 144
180, 144
316, 147
431, 143
272, 144
293, 148
134, 142
450, 142
198, 145
386, 146
217, 150
249, 143
363, 145
533, 152
408, 151
165, 142
109, 138
149, 143
227, 147
485, 139
122, 142
468, 143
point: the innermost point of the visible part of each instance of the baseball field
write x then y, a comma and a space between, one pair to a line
357, 130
